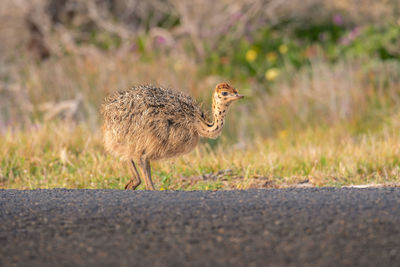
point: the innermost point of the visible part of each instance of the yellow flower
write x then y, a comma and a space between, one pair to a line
271, 74
282, 134
283, 49
271, 57
251, 55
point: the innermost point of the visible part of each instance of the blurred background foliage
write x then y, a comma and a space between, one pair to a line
321, 80
301, 63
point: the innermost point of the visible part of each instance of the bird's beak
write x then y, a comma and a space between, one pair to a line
239, 96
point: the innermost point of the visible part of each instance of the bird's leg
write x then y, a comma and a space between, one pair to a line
146, 170
135, 180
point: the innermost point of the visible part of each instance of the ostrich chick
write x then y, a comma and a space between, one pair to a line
149, 123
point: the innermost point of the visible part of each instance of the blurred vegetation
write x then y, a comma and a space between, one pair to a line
309, 69
273, 50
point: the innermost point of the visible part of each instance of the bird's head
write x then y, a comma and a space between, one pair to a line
225, 94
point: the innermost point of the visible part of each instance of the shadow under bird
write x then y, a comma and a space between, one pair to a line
149, 123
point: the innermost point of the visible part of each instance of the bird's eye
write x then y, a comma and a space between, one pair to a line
224, 93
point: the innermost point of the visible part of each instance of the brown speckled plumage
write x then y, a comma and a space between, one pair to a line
150, 123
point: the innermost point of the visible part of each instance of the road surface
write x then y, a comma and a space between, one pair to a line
276, 227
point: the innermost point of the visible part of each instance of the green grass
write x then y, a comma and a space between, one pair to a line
63, 155
321, 102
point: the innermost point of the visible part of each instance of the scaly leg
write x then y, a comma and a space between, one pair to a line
146, 170
135, 180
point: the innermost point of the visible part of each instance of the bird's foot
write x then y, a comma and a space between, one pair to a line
131, 185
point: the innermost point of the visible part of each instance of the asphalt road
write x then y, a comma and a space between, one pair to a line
277, 227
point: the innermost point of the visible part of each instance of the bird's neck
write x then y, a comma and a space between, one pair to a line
213, 129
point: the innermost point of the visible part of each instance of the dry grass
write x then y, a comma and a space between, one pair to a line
348, 92
63, 155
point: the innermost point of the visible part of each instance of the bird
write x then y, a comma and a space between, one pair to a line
148, 123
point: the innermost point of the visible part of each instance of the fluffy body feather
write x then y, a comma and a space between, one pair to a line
151, 122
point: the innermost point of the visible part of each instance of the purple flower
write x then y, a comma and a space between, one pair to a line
350, 37
344, 41
354, 33
237, 16
338, 20
161, 40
